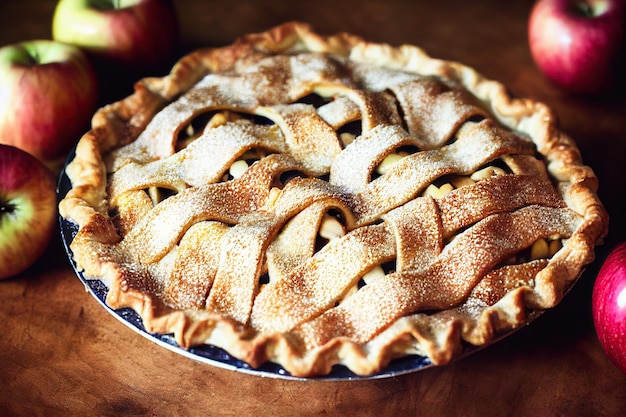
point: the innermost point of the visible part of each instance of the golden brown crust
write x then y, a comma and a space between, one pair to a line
193, 264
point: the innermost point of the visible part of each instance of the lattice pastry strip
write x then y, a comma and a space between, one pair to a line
434, 112
195, 268
440, 284
188, 168
316, 201
474, 146
226, 202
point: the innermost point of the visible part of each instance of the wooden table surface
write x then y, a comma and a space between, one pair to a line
61, 353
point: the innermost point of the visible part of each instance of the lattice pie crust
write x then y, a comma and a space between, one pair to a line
314, 201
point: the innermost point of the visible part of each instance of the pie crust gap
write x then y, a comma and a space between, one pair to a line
320, 200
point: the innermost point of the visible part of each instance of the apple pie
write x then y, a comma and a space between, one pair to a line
314, 201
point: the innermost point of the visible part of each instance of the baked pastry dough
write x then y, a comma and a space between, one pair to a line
320, 200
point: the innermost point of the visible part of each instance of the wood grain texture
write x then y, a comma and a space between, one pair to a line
61, 353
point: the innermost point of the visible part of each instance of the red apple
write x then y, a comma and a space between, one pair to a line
28, 210
578, 44
48, 93
609, 306
136, 35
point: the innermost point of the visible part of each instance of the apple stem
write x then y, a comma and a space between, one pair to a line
105, 4
589, 10
6, 208
585, 10
33, 56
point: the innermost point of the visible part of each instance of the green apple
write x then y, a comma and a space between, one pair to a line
138, 35
48, 93
28, 210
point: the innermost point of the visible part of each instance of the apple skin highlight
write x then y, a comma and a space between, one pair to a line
609, 306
